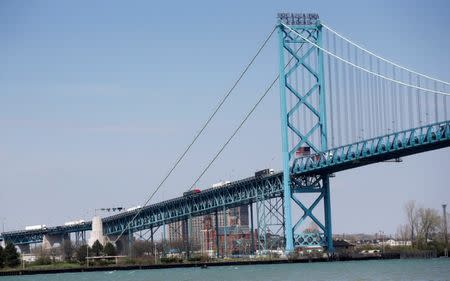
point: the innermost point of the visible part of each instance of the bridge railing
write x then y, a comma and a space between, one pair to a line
383, 145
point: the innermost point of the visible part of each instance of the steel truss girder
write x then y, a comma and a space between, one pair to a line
36, 236
239, 193
394, 145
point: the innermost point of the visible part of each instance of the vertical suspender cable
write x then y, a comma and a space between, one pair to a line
445, 102
427, 106
337, 95
387, 96
358, 91
436, 112
330, 90
365, 100
353, 93
378, 99
410, 114
401, 104
419, 107
394, 102
345, 96
372, 99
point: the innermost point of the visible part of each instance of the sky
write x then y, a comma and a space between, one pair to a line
98, 98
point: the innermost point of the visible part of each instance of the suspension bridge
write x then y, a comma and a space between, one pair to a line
341, 107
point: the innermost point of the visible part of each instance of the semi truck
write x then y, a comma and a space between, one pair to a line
77, 222
36, 227
134, 208
191, 192
263, 173
219, 184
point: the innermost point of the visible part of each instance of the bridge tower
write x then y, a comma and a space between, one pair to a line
303, 127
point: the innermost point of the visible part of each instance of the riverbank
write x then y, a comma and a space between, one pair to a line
16, 272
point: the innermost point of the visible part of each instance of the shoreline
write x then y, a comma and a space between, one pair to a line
181, 265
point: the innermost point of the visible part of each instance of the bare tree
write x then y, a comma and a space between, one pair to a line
142, 248
403, 232
411, 211
429, 222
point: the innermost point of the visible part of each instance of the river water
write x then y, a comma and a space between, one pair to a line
413, 269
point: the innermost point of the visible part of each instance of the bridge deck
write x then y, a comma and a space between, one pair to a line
252, 189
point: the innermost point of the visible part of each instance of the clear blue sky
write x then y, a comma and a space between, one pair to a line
97, 98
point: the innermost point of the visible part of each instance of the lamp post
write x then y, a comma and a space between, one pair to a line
87, 255
444, 210
382, 241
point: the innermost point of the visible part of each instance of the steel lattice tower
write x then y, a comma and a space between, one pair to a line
298, 56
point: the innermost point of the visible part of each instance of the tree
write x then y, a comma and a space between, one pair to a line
10, 255
97, 248
109, 249
429, 222
81, 253
1, 257
403, 232
142, 248
412, 217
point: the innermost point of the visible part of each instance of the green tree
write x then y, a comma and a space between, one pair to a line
109, 249
10, 255
97, 248
1, 257
81, 253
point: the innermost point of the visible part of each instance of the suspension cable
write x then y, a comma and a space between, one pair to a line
234, 133
362, 68
181, 157
241, 124
381, 58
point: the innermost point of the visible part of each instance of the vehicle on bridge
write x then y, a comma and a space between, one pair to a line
77, 222
134, 208
220, 184
303, 151
36, 227
191, 192
264, 172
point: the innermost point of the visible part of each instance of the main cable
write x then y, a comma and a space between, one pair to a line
201, 131
381, 58
362, 68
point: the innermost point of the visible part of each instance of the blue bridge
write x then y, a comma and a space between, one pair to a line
342, 107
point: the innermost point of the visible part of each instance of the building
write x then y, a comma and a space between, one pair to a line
201, 232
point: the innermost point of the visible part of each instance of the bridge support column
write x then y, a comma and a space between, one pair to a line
97, 231
164, 239
252, 229
216, 219
80, 238
24, 248
224, 231
327, 208
49, 241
